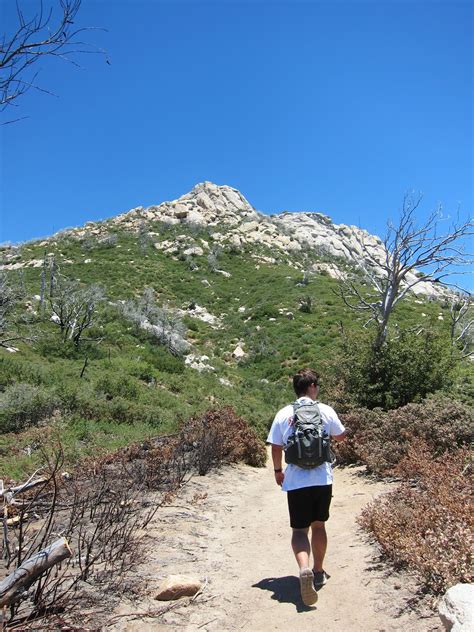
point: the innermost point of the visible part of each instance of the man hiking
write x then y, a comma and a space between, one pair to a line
308, 427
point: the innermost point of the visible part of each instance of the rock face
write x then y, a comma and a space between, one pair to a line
236, 222
207, 204
456, 608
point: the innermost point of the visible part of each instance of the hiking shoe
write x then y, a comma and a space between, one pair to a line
308, 593
320, 578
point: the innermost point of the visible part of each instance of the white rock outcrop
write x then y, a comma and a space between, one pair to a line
456, 608
201, 313
234, 222
198, 363
32, 263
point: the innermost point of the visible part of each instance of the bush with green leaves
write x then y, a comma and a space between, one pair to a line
17, 369
306, 304
405, 369
117, 384
23, 405
50, 346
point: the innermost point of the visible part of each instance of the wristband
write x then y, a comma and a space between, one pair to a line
278, 470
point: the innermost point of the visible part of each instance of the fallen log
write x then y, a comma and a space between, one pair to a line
18, 489
13, 587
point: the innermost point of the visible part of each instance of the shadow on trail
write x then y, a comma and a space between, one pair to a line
285, 590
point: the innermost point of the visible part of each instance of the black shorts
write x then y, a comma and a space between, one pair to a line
309, 504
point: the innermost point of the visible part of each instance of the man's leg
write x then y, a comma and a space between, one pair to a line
299, 504
301, 547
319, 543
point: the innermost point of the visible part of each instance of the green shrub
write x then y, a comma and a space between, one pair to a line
167, 363
55, 347
19, 370
122, 410
264, 312
111, 398
143, 371
77, 397
306, 304
113, 385
23, 405
404, 370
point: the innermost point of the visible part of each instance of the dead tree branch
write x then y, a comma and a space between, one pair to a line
50, 32
74, 307
462, 324
409, 255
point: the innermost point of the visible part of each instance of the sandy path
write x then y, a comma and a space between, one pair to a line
237, 539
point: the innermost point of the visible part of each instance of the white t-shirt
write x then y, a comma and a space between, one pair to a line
297, 477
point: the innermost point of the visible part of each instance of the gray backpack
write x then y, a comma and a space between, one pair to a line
309, 445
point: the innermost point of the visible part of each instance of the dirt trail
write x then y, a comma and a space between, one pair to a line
237, 540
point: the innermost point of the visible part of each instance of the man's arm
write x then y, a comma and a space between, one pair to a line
277, 455
339, 437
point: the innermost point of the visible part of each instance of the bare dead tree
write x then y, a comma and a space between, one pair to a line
7, 304
50, 32
9, 298
144, 240
43, 284
74, 307
49, 265
409, 255
161, 323
461, 324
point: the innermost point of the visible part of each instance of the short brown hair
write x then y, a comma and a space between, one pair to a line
303, 380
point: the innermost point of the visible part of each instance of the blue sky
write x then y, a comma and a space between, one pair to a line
335, 107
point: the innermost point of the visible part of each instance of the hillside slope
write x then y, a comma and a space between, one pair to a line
247, 299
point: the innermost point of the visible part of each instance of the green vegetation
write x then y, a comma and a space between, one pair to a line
406, 369
123, 377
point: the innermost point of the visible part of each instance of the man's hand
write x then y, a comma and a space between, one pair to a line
279, 478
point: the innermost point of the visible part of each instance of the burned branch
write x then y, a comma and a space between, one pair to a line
102, 509
13, 587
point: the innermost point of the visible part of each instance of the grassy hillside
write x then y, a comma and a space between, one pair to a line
130, 386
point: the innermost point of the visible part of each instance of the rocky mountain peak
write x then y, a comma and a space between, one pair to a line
207, 204
233, 221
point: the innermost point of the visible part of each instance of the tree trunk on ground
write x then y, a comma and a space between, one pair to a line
13, 586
